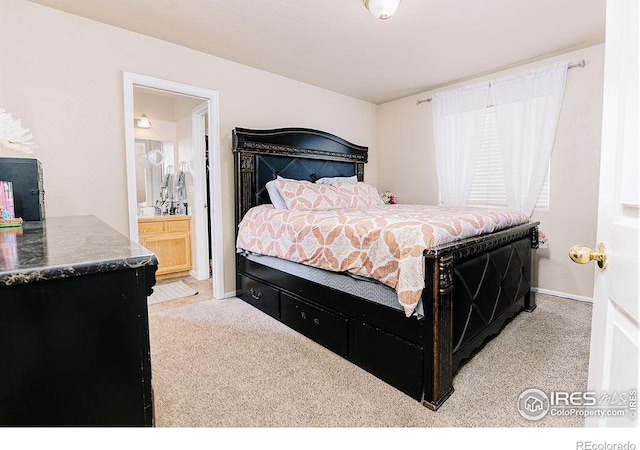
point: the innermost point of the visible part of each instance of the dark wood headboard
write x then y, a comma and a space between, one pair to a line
296, 153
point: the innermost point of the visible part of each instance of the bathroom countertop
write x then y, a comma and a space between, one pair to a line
167, 217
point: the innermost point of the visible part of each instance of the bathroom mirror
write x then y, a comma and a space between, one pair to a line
153, 160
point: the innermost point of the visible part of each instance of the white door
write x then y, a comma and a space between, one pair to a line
613, 364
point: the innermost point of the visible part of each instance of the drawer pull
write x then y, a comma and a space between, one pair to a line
303, 314
316, 321
255, 294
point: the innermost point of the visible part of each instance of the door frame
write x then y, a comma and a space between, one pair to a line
200, 209
200, 252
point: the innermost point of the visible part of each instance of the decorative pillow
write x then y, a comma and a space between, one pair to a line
359, 195
274, 194
305, 195
333, 180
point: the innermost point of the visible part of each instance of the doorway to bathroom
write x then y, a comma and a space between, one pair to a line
173, 163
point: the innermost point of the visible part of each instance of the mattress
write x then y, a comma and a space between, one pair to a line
365, 288
385, 242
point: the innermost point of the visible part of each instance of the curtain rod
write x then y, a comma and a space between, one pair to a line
581, 63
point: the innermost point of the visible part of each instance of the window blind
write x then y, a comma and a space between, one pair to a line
488, 187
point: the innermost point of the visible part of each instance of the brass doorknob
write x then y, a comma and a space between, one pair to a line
582, 254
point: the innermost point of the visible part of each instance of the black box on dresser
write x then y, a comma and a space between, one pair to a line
28, 187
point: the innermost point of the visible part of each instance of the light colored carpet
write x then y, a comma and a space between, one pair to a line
170, 291
222, 363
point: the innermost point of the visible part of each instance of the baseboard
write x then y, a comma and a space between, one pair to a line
200, 277
580, 298
229, 294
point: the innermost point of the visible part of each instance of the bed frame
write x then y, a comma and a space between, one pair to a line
472, 287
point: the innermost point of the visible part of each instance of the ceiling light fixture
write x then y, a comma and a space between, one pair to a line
382, 9
143, 122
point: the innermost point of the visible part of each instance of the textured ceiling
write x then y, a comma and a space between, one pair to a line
338, 45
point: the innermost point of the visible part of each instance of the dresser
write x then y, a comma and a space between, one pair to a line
169, 237
74, 328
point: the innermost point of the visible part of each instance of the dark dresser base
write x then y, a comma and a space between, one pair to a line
75, 351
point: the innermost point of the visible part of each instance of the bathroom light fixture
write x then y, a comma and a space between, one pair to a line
382, 9
143, 122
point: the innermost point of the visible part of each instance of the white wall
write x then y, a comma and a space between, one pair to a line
406, 158
62, 75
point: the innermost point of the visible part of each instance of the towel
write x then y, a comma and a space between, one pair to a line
181, 186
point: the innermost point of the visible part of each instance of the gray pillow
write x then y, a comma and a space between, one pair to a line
332, 180
274, 194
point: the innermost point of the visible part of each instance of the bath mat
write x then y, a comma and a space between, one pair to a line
170, 291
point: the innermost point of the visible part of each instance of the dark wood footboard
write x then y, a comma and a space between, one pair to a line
477, 286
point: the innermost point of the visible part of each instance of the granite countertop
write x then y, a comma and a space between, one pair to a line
62, 247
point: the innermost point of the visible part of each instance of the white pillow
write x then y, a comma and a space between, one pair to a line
332, 180
274, 194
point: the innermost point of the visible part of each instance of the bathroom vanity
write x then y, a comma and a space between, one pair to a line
169, 237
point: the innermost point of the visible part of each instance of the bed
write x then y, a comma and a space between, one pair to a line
472, 286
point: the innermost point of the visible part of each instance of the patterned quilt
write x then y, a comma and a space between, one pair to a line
385, 242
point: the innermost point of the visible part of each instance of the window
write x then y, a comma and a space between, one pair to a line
488, 183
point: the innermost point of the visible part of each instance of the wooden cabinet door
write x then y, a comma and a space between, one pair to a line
172, 249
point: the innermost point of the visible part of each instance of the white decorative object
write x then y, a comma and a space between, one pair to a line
13, 136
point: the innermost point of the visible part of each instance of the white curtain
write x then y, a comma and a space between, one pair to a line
458, 118
527, 109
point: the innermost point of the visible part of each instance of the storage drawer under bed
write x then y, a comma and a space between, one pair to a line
394, 360
258, 294
327, 329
